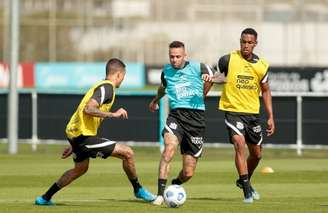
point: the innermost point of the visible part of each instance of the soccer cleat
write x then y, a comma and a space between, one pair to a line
145, 195
248, 200
255, 194
158, 201
42, 202
239, 184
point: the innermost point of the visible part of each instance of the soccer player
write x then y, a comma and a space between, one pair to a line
246, 76
183, 81
82, 129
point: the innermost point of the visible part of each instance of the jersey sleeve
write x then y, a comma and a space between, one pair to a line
163, 80
206, 69
265, 78
103, 93
223, 64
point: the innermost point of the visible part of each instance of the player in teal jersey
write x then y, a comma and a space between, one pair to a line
183, 82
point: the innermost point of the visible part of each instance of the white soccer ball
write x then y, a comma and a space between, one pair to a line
174, 196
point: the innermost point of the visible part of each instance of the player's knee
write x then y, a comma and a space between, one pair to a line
239, 146
128, 154
167, 154
81, 170
257, 156
166, 157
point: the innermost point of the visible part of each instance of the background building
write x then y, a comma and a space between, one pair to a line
291, 32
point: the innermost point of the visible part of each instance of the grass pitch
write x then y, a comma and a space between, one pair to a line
298, 185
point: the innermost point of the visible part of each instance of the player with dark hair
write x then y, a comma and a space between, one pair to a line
81, 133
183, 81
246, 76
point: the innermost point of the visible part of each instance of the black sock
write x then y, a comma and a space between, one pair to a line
246, 185
136, 185
161, 186
177, 181
51, 191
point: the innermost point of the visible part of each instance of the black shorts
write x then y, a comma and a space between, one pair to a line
189, 127
91, 146
244, 124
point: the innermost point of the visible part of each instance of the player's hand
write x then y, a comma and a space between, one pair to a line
207, 78
67, 152
219, 78
271, 127
153, 106
120, 113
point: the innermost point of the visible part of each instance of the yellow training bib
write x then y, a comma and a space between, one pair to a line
242, 90
83, 124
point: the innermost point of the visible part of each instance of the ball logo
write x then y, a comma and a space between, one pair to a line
180, 196
169, 194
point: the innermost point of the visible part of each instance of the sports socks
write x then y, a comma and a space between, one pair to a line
51, 191
246, 185
136, 185
177, 181
161, 186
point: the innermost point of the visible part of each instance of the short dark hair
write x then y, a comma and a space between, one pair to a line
176, 44
250, 31
113, 65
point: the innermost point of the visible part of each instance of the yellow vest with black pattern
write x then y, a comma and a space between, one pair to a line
241, 91
84, 124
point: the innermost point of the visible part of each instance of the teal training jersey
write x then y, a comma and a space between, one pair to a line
184, 86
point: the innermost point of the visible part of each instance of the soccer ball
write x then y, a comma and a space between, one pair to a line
174, 196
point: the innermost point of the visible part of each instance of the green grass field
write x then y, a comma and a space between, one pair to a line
298, 185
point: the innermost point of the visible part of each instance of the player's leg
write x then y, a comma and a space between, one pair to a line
255, 155
189, 163
70, 175
171, 143
191, 147
240, 154
254, 140
236, 128
125, 153
241, 165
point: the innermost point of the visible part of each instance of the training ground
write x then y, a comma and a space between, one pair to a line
298, 184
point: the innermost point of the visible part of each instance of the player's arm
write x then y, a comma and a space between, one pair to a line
153, 105
223, 65
67, 152
207, 74
267, 100
103, 94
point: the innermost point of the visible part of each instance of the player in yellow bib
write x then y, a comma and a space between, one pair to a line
246, 77
81, 133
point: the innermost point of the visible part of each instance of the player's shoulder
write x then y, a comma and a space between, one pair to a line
225, 57
263, 62
108, 85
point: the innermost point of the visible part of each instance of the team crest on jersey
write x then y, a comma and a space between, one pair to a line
240, 125
173, 126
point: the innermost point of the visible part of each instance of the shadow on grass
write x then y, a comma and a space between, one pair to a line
212, 199
81, 203
123, 201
